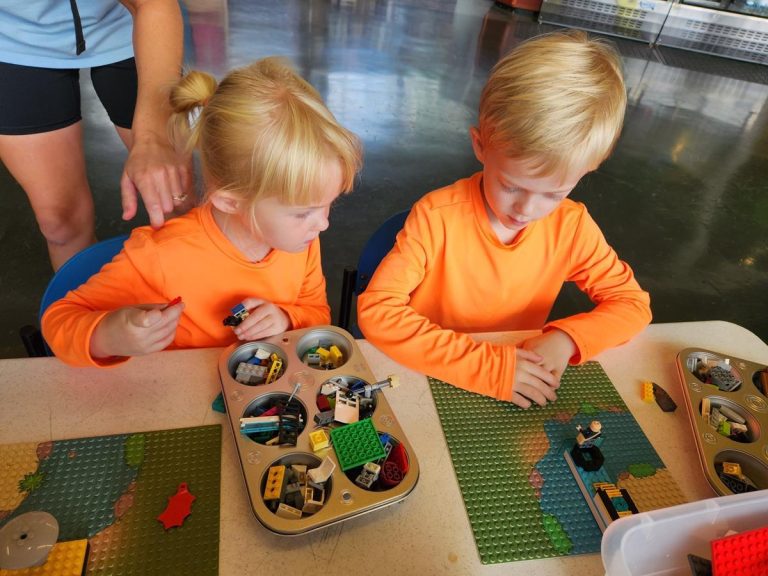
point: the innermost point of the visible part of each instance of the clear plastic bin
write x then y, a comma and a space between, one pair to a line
658, 542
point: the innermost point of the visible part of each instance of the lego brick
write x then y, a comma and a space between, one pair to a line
274, 485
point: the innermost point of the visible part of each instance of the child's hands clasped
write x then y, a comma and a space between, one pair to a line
533, 383
136, 330
264, 319
541, 361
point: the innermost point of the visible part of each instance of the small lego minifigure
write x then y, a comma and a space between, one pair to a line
239, 313
585, 452
586, 437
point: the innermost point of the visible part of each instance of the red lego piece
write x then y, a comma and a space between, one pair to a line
172, 303
390, 474
399, 457
178, 508
744, 554
323, 403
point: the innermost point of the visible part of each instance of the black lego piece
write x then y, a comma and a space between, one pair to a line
663, 399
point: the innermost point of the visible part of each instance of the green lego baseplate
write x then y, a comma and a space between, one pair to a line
357, 443
111, 489
522, 500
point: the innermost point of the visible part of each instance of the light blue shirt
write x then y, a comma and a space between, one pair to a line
41, 33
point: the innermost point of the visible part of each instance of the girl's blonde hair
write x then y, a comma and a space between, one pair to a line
262, 132
557, 100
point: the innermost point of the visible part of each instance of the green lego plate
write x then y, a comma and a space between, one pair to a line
522, 500
111, 489
357, 443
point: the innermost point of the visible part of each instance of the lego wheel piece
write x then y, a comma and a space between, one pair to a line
27, 539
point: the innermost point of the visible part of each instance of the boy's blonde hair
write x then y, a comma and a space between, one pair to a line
262, 132
557, 100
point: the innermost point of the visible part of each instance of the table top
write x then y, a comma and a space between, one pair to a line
427, 533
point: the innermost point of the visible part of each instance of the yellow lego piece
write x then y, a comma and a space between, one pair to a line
318, 440
64, 559
274, 486
16, 461
285, 511
732, 468
648, 391
324, 354
274, 370
335, 357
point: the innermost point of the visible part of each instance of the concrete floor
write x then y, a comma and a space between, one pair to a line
684, 198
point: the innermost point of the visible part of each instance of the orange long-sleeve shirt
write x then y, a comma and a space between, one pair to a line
188, 257
448, 275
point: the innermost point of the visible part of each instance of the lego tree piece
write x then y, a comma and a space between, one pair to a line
356, 444
663, 399
744, 554
178, 508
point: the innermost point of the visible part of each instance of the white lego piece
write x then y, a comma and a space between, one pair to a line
322, 472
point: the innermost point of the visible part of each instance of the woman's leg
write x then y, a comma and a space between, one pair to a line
50, 166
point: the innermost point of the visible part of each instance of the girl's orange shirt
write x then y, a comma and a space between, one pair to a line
188, 257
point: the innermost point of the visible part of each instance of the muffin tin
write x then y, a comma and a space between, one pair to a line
294, 387
727, 404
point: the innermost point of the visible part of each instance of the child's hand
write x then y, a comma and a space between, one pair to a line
533, 383
264, 319
136, 330
555, 348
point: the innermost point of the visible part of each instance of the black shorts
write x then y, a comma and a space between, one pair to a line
34, 100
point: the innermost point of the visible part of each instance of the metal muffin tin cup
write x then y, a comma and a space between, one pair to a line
746, 400
343, 498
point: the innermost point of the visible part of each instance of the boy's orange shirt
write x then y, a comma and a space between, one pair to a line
188, 257
448, 275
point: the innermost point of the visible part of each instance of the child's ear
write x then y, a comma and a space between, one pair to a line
225, 202
477, 144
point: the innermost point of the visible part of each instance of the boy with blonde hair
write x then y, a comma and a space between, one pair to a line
492, 251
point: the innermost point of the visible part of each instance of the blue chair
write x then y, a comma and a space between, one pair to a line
355, 280
72, 274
